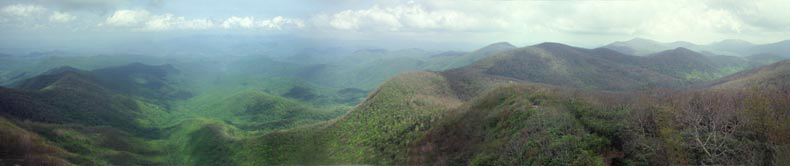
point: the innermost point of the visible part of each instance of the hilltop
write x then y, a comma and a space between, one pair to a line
543, 104
472, 115
729, 47
135, 113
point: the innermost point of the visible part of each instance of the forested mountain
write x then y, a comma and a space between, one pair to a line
130, 114
452, 118
692, 66
637, 46
730, 47
545, 104
604, 69
394, 82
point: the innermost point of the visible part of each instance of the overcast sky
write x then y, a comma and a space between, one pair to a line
456, 24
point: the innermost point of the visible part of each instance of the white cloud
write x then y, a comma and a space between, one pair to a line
280, 22
61, 17
276, 23
127, 18
235, 21
526, 22
763, 14
697, 21
23, 10
406, 17
689, 19
145, 21
168, 22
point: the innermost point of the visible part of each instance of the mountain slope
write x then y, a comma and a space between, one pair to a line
781, 48
771, 76
476, 55
377, 131
692, 66
73, 110
132, 114
71, 97
505, 110
256, 111
734, 46
548, 104
137, 79
729, 47
562, 65
523, 125
134, 79
637, 46
21, 147
598, 69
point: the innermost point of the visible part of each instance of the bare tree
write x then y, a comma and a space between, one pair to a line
711, 121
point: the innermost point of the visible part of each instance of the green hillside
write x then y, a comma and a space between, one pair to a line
692, 66
508, 122
547, 104
523, 125
378, 131
139, 114
558, 64
538, 125
769, 76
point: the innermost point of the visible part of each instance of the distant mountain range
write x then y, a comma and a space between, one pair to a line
732, 47
507, 109
545, 104
127, 115
602, 68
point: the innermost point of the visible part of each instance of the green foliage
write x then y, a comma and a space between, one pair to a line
379, 131
300, 93
97, 145
211, 146
20, 147
605, 122
484, 159
517, 125
256, 111
304, 145
125, 115
467, 116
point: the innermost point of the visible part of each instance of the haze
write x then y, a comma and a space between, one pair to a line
98, 26
390, 82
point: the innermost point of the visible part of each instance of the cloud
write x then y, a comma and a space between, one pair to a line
23, 10
61, 17
169, 22
83, 5
570, 21
127, 18
404, 17
275, 23
25, 16
764, 14
699, 21
689, 18
235, 21
145, 21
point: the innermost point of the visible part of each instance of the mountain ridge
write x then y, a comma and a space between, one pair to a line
548, 103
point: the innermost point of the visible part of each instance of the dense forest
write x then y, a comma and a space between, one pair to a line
545, 104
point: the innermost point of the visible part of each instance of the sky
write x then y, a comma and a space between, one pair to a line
433, 24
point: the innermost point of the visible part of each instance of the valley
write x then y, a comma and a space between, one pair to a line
544, 104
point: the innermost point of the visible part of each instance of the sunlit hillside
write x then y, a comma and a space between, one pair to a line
394, 82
